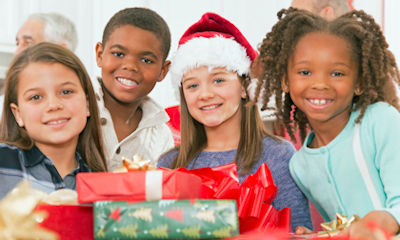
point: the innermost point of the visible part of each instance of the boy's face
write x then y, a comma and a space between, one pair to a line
131, 63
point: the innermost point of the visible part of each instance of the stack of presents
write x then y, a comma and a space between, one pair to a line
203, 203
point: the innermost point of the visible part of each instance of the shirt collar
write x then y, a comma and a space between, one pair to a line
34, 156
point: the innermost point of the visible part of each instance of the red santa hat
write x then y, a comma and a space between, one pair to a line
213, 41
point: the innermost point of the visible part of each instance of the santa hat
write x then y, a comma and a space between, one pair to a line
214, 42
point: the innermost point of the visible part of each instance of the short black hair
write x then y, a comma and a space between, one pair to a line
143, 18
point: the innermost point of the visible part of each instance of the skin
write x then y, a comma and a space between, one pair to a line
50, 100
131, 64
322, 80
30, 33
327, 12
213, 99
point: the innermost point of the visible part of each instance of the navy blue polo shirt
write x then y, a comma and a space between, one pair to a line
17, 164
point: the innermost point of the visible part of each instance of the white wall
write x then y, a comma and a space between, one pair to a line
253, 17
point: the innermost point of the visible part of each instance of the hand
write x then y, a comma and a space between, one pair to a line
302, 230
370, 231
376, 225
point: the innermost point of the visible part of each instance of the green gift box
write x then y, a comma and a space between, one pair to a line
163, 219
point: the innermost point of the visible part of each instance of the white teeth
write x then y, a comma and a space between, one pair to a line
127, 82
56, 122
318, 101
209, 107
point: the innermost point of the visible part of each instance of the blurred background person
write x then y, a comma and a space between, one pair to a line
46, 27
328, 9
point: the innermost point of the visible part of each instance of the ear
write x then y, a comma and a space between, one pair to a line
87, 109
358, 90
285, 84
164, 70
243, 94
99, 54
15, 110
328, 13
64, 44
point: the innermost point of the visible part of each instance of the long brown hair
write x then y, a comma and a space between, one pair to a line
194, 139
376, 64
90, 145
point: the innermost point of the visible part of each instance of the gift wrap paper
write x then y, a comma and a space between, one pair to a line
163, 219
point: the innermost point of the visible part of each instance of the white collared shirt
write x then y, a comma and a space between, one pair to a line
151, 138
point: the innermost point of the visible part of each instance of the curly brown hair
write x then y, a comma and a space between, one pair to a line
377, 66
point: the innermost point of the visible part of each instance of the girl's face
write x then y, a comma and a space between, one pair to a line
213, 97
131, 63
322, 78
52, 104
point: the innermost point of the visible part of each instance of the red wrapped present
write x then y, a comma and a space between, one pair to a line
137, 186
254, 196
68, 221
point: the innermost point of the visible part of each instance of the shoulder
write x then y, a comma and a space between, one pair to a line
10, 156
381, 109
167, 158
278, 146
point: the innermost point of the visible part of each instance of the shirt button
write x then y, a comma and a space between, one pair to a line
103, 121
97, 97
118, 150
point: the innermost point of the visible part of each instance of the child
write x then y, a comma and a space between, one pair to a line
218, 125
132, 57
335, 77
48, 135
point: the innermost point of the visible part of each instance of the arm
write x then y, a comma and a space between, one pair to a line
385, 134
289, 195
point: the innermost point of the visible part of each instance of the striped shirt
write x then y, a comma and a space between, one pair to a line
17, 164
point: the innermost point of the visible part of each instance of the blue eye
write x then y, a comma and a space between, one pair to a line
218, 80
118, 54
191, 86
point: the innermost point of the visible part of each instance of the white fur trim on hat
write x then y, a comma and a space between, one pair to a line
213, 52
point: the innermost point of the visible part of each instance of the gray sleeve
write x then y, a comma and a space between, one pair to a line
289, 195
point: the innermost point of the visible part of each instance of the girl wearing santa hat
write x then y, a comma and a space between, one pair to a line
219, 125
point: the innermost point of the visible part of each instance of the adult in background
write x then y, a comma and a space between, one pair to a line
46, 27
328, 9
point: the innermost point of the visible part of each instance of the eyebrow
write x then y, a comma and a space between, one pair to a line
66, 83
25, 37
145, 53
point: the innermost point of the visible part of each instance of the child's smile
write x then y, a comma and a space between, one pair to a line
131, 62
322, 77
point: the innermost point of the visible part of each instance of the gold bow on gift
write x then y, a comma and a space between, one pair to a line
138, 163
332, 228
18, 220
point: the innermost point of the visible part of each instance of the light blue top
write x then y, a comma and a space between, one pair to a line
329, 175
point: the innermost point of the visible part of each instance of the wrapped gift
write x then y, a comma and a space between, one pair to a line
68, 221
254, 196
163, 219
137, 186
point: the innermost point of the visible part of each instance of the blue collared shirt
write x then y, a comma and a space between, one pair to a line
17, 164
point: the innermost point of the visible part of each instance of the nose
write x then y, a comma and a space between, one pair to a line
320, 82
206, 92
19, 49
54, 104
130, 64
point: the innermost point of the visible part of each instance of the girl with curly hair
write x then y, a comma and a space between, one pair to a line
334, 79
